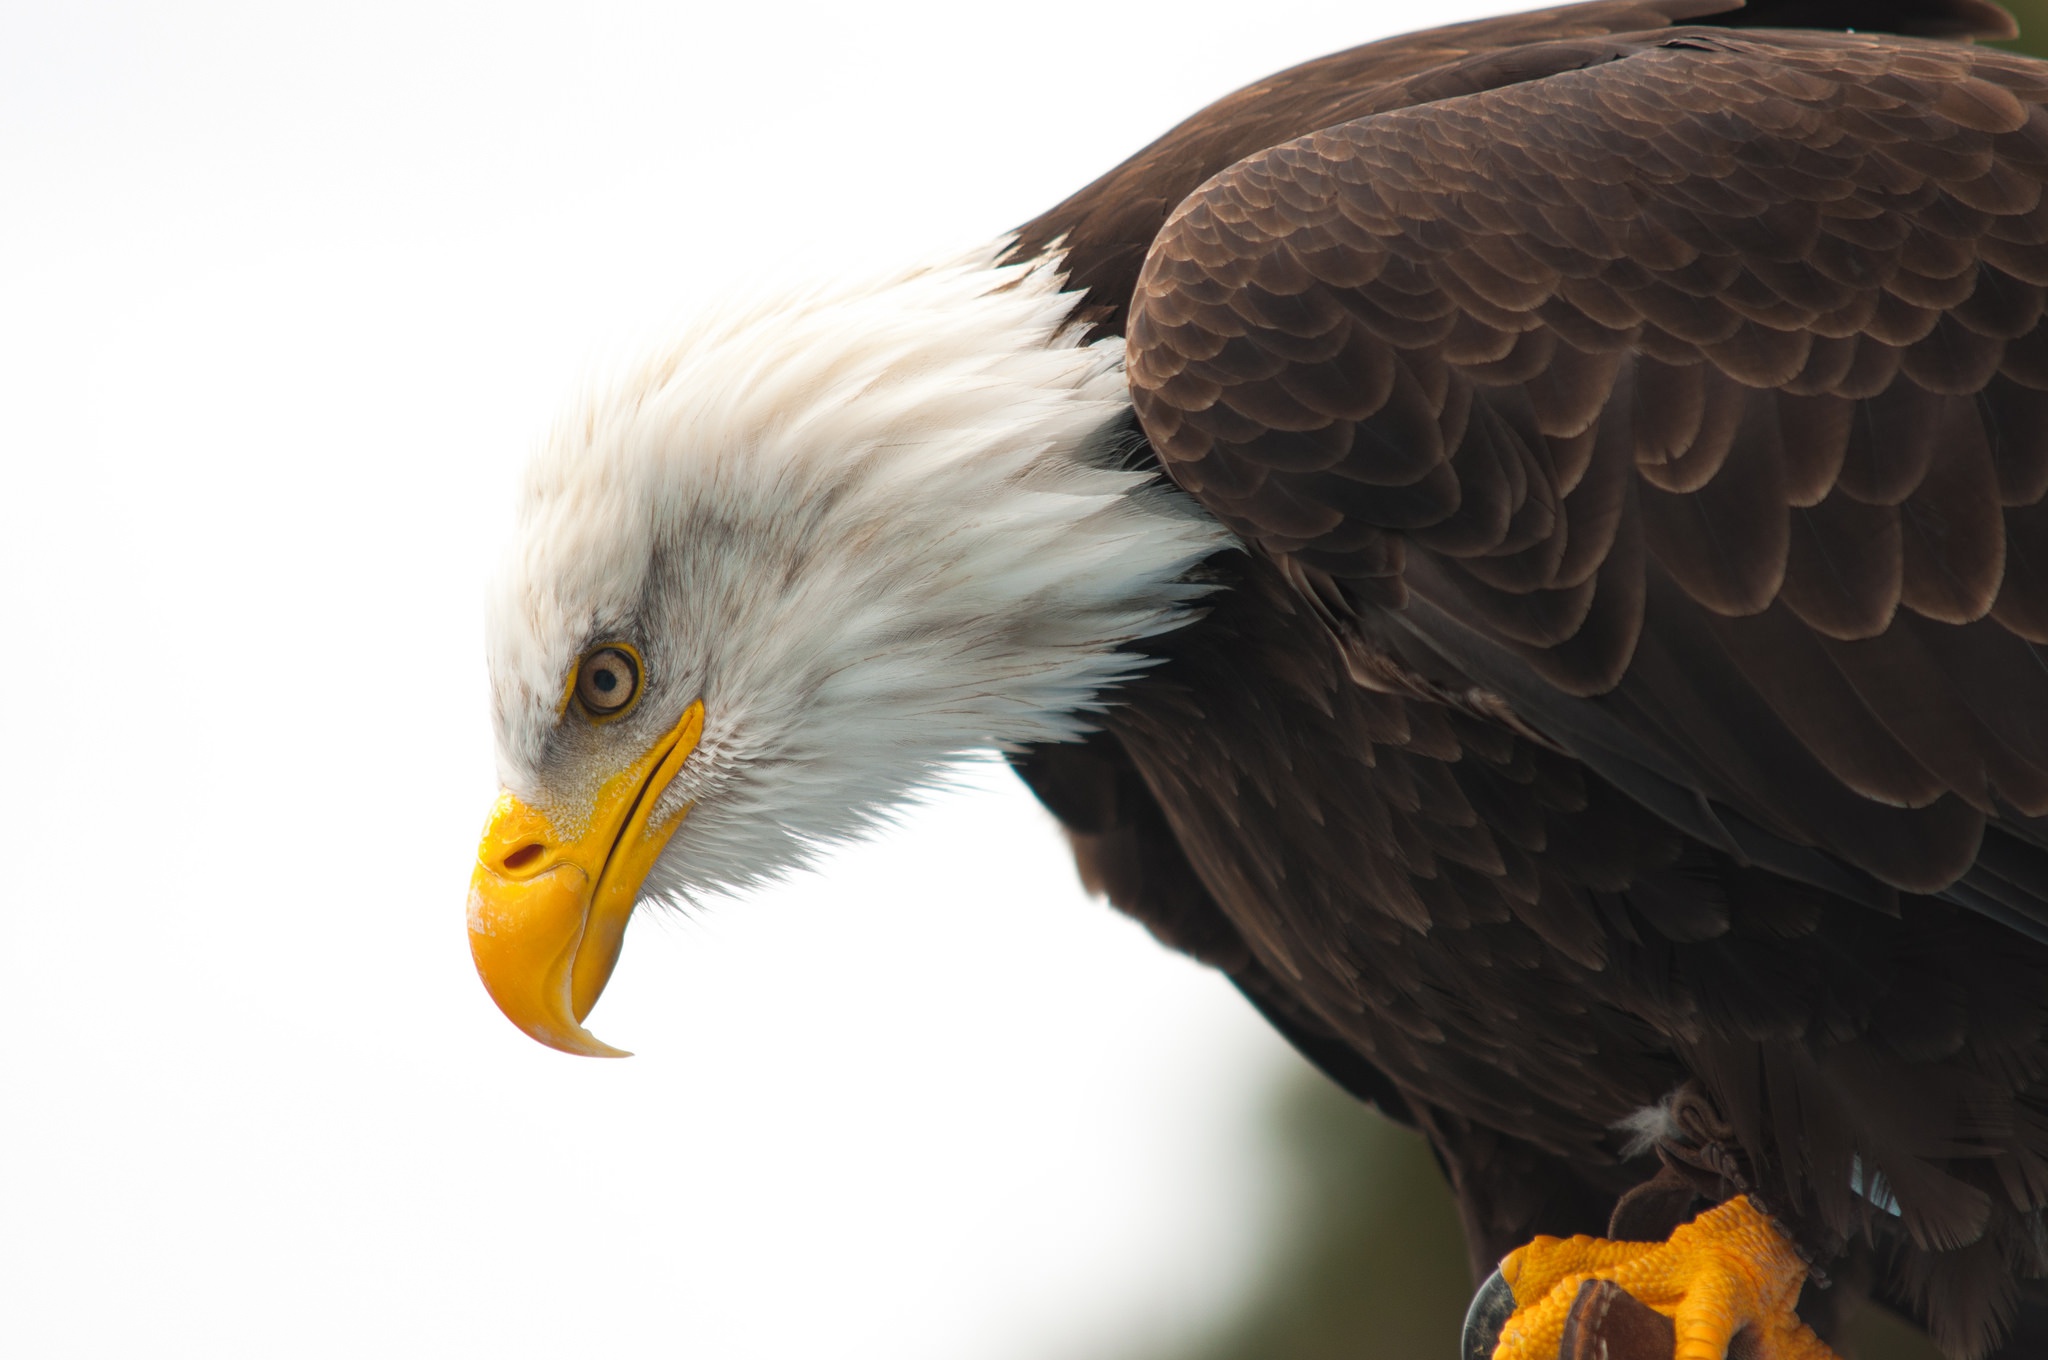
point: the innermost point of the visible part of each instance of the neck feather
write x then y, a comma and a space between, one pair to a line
876, 528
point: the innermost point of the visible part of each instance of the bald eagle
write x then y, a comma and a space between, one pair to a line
1525, 545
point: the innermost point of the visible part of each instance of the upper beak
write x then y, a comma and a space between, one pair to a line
549, 901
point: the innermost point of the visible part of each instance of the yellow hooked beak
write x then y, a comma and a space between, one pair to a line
548, 905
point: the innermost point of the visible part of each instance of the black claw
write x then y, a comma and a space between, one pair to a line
1490, 1310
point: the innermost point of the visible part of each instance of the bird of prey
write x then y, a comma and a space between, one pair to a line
1524, 545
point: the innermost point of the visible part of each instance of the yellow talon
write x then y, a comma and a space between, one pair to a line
1728, 1271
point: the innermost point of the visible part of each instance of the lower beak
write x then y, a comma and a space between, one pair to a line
549, 902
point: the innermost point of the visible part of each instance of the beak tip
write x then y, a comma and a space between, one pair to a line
563, 1035
588, 1045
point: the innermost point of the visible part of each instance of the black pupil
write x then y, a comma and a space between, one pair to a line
605, 681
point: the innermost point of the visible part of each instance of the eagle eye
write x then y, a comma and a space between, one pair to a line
608, 680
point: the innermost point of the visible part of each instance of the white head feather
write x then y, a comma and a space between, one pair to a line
874, 528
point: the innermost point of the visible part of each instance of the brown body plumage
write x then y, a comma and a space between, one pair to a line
1638, 416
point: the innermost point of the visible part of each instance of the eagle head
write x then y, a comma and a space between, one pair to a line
778, 578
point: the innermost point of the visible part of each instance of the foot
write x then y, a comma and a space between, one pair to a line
1728, 1272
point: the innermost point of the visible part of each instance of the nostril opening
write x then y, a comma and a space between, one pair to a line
523, 856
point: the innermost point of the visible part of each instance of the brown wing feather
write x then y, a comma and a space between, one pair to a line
1697, 384
1449, 388
1108, 225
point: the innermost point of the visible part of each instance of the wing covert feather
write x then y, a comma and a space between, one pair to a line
1695, 376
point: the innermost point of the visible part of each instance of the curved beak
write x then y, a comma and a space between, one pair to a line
550, 898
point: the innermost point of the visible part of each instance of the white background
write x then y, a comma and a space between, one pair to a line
286, 292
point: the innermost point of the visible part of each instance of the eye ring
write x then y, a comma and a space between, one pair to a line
608, 681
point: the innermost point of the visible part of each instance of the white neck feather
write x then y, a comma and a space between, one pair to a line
875, 527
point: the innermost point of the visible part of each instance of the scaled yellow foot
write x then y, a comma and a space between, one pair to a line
1726, 1271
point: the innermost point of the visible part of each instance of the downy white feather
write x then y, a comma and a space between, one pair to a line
875, 527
